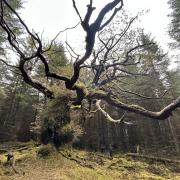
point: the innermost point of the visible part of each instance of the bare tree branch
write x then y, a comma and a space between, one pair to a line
91, 31
101, 68
161, 115
107, 115
139, 95
77, 55
7, 64
53, 40
111, 17
76, 9
34, 83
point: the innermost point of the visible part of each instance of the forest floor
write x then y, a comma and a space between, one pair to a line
73, 164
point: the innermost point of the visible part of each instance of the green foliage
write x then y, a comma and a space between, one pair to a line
57, 56
57, 59
174, 81
11, 20
16, 106
66, 133
56, 114
55, 119
57, 127
174, 27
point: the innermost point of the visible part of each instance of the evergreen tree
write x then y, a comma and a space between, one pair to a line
13, 22
174, 27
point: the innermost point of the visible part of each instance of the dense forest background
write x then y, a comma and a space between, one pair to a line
27, 114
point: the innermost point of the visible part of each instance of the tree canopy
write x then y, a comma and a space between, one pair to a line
174, 27
113, 51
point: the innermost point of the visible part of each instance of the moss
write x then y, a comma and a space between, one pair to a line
56, 166
45, 150
75, 107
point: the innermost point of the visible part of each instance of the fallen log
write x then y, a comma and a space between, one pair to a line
78, 161
13, 148
3, 151
153, 158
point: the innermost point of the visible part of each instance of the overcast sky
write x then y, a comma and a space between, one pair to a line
55, 15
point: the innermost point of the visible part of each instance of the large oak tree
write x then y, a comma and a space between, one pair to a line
104, 61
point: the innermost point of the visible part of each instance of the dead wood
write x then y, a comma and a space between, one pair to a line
153, 158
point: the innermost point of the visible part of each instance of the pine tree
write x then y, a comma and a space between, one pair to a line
174, 27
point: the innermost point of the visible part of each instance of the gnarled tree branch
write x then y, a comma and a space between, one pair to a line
107, 115
161, 115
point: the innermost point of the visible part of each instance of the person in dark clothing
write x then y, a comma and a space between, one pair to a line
10, 156
110, 150
102, 147
11, 161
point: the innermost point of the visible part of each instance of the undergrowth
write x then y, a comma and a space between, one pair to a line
68, 163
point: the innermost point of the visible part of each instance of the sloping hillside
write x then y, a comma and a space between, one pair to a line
44, 163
